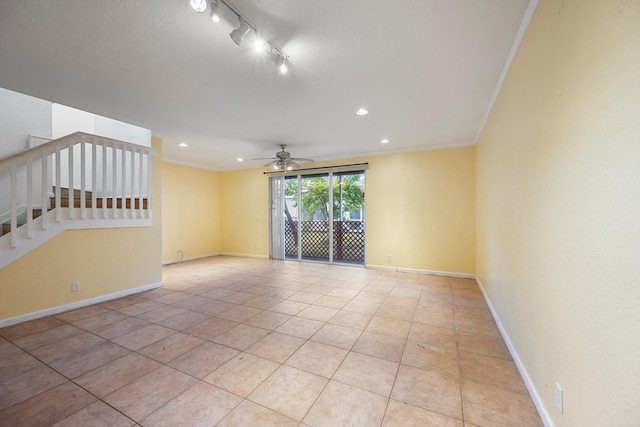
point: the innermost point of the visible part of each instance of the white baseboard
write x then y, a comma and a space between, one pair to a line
419, 271
544, 416
190, 258
77, 304
244, 255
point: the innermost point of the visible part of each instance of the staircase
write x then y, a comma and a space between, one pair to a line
111, 182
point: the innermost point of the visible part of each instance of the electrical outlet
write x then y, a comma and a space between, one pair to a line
559, 397
75, 286
388, 257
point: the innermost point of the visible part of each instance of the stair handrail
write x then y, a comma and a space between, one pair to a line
139, 206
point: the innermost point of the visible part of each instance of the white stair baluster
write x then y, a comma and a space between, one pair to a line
45, 191
29, 197
70, 193
14, 204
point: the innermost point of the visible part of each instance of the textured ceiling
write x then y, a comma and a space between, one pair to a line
425, 69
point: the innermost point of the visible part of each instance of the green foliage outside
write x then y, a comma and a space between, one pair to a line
315, 195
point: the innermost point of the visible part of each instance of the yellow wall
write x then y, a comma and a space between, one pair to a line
420, 209
245, 213
104, 261
558, 201
190, 211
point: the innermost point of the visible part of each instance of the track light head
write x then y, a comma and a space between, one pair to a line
215, 12
238, 34
199, 5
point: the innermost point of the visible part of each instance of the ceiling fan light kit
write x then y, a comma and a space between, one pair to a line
278, 56
283, 160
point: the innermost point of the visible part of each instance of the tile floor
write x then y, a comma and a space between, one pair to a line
249, 342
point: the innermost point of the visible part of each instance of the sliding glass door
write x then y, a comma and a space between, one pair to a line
318, 217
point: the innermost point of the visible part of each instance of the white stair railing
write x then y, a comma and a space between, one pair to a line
107, 184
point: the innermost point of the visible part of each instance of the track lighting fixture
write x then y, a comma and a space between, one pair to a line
215, 11
237, 35
199, 5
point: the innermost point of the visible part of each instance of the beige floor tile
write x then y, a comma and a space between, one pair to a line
142, 307
47, 408
372, 297
477, 326
172, 297
211, 328
100, 320
214, 307
433, 336
299, 327
123, 327
470, 300
276, 346
368, 373
88, 359
216, 293
192, 303
428, 390
346, 406
442, 317
117, 303
337, 336
401, 414
66, 347
289, 307
200, 405
238, 297
498, 373
305, 297
80, 313
240, 313
319, 288
30, 382
149, 392
240, 337
242, 374
316, 312
343, 293
97, 414
268, 320
289, 391
263, 302
486, 345
171, 347
31, 327
143, 337
478, 312
382, 346
112, 376
160, 314
396, 312
389, 326
182, 321
332, 302
362, 307
431, 358
204, 359
39, 339
351, 319
488, 406
317, 358
251, 414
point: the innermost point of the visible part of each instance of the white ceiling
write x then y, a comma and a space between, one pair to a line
425, 69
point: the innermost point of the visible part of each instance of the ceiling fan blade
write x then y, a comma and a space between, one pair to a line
294, 164
301, 159
270, 163
265, 158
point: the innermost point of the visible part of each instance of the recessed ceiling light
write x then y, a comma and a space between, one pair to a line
183, 144
240, 159
362, 112
385, 141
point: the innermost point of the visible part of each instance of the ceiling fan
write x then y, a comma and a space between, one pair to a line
283, 160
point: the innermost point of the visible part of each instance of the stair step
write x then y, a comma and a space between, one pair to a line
88, 202
64, 192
